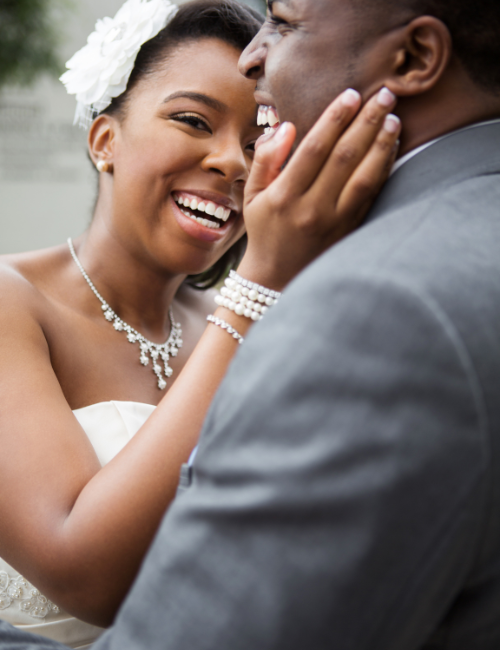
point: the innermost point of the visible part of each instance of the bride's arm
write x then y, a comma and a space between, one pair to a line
79, 531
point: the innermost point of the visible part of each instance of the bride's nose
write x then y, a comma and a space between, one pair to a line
227, 159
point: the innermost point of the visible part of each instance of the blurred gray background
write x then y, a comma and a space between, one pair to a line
47, 185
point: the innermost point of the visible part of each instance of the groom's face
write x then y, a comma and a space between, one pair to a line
308, 52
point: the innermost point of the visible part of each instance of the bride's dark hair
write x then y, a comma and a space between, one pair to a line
226, 20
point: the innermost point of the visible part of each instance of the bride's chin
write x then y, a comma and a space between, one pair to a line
189, 260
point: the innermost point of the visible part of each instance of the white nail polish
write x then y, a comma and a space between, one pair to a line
391, 123
280, 133
386, 98
350, 97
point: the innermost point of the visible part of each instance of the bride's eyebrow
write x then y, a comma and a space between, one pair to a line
197, 97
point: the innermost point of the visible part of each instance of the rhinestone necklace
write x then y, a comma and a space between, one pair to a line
149, 350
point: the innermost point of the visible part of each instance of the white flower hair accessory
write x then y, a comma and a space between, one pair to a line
101, 69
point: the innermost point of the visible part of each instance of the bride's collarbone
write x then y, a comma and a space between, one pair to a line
94, 362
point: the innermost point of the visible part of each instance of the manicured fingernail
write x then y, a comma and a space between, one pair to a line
263, 138
386, 98
350, 97
281, 132
276, 136
392, 122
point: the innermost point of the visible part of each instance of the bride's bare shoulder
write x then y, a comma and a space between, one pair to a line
24, 275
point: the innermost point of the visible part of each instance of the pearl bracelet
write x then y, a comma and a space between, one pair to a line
246, 298
225, 326
256, 287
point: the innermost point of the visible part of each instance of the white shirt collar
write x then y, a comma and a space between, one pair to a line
411, 154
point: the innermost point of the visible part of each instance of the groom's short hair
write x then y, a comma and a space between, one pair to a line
474, 26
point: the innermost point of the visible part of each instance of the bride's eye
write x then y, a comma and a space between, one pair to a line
192, 120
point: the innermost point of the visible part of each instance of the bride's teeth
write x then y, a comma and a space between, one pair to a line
210, 209
203, 222
271, 118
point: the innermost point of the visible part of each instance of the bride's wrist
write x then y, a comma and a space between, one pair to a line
262, 274
231, 322
240, 303
246, 298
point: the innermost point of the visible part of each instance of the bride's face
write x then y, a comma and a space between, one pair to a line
182, 153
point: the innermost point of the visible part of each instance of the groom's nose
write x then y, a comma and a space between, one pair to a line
253, 58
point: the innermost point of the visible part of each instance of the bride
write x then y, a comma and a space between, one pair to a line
103, 391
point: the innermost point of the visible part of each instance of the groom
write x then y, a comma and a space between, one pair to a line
346, 492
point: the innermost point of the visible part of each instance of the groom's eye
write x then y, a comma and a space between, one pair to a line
275, 20
278, 23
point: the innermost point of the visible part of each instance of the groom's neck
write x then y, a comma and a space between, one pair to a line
454, 103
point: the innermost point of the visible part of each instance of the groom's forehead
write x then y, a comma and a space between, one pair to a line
292, 4
318, 17
330, 5
303, 9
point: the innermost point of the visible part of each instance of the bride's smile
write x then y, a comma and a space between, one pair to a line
206, 209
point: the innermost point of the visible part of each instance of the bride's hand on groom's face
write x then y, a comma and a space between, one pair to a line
325, 190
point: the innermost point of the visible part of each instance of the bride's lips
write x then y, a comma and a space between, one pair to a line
203, 215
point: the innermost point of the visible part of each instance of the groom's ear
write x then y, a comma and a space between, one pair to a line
421, 52
101, 139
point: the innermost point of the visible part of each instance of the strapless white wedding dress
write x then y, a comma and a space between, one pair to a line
109, 426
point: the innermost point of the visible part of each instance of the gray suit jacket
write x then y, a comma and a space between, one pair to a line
346, 493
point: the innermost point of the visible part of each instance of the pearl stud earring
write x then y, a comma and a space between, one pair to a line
102, 166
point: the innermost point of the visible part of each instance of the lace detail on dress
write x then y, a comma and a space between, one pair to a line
18, 591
